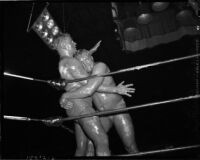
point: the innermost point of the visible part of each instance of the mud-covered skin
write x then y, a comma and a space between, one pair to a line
69, 69
77, 101
122, 122
74, 107
109, 101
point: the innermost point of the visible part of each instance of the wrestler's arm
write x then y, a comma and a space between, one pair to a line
72, 68
108, 89
119, 89
77, 72
91, 86
99, 68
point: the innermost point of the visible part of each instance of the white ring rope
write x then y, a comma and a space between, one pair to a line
110, 73
108, 111
162, 150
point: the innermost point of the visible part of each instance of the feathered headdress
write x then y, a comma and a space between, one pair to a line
46, 28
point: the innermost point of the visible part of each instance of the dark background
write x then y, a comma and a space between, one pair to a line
169, 125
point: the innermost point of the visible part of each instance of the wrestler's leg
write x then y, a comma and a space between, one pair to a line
107, 124
94, 130
90, 148
81, 141
125, 129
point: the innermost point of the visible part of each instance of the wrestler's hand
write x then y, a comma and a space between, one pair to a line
65, 102
125, 89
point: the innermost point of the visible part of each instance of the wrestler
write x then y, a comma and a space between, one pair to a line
105, 101
70, 68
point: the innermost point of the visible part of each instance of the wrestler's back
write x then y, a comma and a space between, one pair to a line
106, 100
78, 106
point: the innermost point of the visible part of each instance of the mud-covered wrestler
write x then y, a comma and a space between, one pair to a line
104, 101
70, 68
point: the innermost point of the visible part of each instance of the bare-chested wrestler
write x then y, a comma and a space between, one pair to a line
104, 101
70, 68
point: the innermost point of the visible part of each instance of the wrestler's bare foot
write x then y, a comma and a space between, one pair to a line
132, 149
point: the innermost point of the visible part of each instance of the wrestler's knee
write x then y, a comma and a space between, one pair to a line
101, 140
81, 145
102, 146
97, 134
124, 122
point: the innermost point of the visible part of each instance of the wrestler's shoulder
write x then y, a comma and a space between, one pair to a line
69, 61
100, 67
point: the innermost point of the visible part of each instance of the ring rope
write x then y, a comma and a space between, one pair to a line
110, 73
115, 111
161, 150
135, 68
101, 113
128, 108
149, 65
123, 109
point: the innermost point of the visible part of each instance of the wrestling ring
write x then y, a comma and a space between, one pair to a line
58, 121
